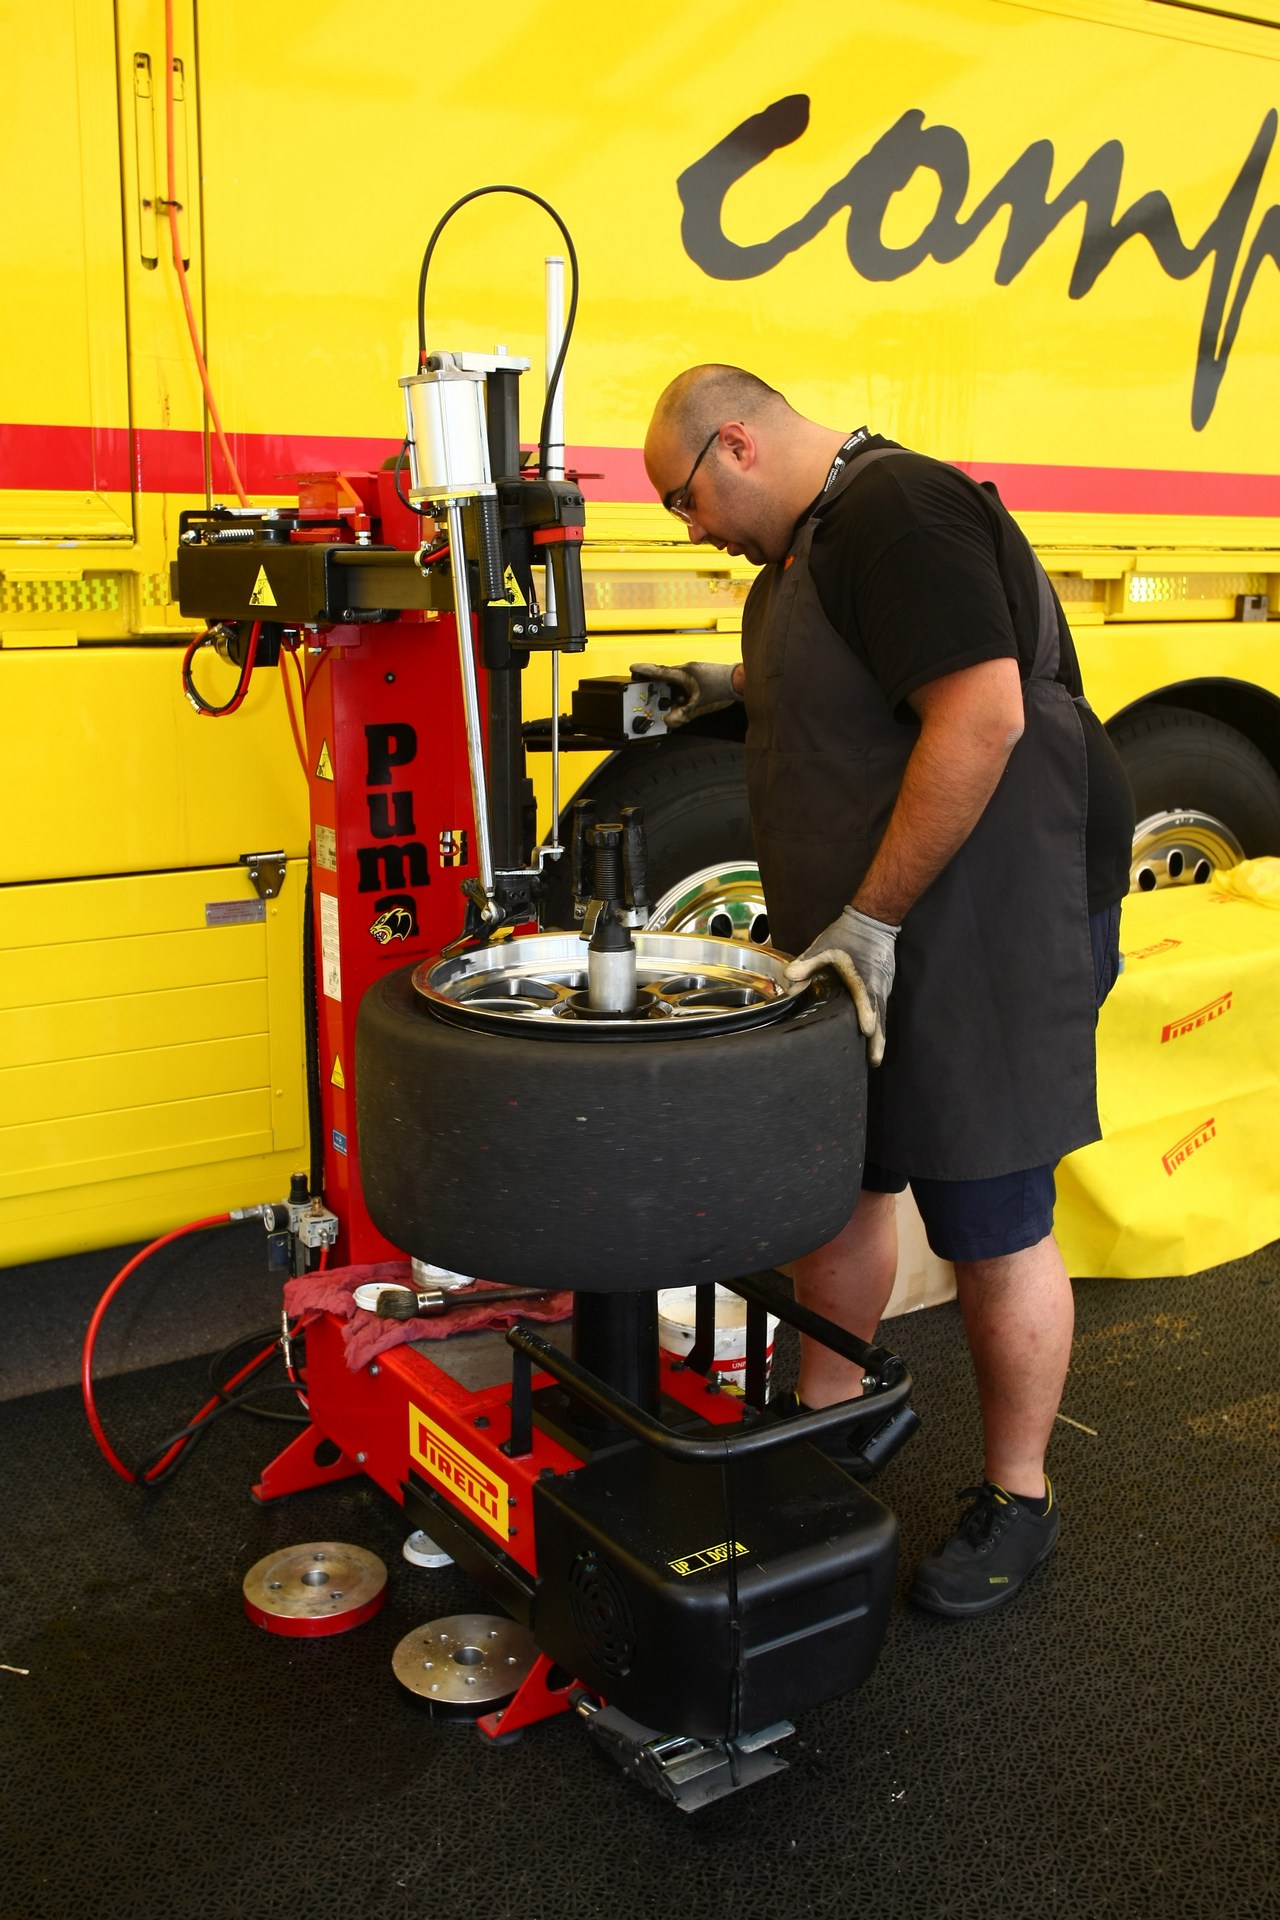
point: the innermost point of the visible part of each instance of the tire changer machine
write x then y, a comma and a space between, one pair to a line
605, 1109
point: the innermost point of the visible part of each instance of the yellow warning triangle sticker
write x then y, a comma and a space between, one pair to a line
324, 765
262, 595
511, 594
338, 1077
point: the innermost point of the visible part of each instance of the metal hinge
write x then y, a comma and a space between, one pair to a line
267, 872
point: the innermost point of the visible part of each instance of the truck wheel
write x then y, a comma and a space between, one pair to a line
694, 795
1205, 796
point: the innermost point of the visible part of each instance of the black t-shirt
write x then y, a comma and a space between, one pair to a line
923, 574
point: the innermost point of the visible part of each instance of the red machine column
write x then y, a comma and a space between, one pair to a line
393, 837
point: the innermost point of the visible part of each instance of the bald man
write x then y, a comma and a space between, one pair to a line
941, 818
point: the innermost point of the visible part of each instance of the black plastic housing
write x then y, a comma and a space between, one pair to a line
636, 1597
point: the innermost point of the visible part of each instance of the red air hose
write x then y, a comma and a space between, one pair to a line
158, 1468
105, 1447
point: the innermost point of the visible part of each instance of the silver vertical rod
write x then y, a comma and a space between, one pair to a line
470, 698
555, 748
553, 340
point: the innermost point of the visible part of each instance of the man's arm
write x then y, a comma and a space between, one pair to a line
970, 722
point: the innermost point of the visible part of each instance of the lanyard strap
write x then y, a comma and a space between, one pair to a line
842, 458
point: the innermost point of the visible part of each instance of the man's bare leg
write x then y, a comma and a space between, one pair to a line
849, 1281
1019, 1316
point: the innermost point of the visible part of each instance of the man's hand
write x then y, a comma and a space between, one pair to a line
862, 952
702, 687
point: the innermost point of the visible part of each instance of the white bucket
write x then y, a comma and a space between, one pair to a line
677, 1312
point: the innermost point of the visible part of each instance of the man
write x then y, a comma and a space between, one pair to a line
934, 804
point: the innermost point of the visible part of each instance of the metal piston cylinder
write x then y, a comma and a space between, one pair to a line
448, 437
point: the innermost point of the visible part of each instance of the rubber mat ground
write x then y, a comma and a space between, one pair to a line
1107, 1747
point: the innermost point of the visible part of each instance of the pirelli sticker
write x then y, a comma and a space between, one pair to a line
464, 1478
709, 1557
1190, 1143
1149, 953
1213, 1010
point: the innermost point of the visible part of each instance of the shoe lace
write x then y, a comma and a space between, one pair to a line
978, 1521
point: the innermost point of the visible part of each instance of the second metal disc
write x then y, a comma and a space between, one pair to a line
465, 1663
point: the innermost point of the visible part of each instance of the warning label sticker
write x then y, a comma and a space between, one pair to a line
327, 849
262, 595
709, 1557
330, 961
337, 1078
511, 594
233, 913
324, 765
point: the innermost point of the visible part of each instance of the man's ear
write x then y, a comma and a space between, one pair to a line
739, 443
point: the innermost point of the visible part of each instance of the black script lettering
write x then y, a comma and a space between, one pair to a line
385, 866
389, 746
391, 815
910, 147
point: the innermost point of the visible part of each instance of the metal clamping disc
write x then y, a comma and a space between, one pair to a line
465, 1663
321, 1588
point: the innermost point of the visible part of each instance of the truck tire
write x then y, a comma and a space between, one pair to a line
694, 795
566, 1162
1205, 795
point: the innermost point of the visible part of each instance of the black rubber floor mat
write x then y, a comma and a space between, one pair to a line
1106, 1749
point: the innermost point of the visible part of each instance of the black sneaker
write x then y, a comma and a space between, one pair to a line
998, 1543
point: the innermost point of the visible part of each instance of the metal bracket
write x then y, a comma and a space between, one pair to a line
267, 872
514, 899
520, 1445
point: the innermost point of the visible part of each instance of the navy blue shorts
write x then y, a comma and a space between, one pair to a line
984, 1219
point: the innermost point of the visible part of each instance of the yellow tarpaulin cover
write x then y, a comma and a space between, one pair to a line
1188, 1172
1253, 880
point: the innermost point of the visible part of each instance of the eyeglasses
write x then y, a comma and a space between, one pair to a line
677, 501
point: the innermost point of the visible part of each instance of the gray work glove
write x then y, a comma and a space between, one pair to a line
702, 686
862, 952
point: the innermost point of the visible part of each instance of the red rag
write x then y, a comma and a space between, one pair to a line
365, 1335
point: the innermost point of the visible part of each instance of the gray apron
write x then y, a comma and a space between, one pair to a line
989, 1061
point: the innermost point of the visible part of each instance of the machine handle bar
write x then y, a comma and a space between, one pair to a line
874, 1410
884, 1368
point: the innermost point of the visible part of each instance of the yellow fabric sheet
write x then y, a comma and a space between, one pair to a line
1187, 1174
1253, 880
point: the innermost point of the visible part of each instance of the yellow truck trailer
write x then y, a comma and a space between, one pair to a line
1039, 238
